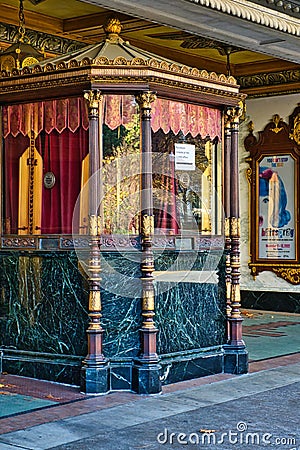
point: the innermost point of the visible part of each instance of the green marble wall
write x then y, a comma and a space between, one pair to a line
43, 303
43, 306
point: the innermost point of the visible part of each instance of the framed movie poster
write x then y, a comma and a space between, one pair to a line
274, 184
276, 207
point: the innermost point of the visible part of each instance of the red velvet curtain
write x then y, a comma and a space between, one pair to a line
62, 154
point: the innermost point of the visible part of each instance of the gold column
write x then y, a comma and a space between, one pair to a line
146, 372
235, 319
226, 182
95, 369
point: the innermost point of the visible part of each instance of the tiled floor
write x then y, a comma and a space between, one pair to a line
26, 402
270, 334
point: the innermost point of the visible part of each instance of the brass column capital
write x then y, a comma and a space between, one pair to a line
144, 99
93, 98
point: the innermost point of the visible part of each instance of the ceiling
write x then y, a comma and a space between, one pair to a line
83, 22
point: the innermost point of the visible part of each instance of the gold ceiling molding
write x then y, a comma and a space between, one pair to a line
121, 61
47, 42
254, 13
269, 79
271, 83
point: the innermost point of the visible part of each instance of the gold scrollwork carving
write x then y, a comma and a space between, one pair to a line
251, 126
295, 135
289, 274
145, 99
249, 175
235, 227
276, 119
148, 225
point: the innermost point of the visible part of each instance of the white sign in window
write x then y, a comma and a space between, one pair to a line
185, 157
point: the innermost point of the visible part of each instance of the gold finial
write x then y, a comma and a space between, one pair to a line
276, 119
113, 26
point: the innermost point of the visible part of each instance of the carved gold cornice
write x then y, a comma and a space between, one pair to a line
254, 13
102, 61
73, 74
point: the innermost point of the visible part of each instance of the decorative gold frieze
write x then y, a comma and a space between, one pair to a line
269, 79
42, 41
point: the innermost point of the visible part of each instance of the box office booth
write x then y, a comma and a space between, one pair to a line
120, 220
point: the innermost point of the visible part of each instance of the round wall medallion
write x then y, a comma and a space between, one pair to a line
49, 180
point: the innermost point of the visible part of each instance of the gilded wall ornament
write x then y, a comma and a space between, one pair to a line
276, 119
288, 273
295, 135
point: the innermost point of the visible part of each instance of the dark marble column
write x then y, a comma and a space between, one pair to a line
146, 370
95, 366
227, 177
236, 360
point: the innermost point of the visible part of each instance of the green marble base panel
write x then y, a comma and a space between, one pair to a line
121, 375
192, 365
271, 301
49, 367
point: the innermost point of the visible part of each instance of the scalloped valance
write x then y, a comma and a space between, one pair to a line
45, 116
167, 115
118, 110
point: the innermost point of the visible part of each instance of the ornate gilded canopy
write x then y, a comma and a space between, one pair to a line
112, 65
